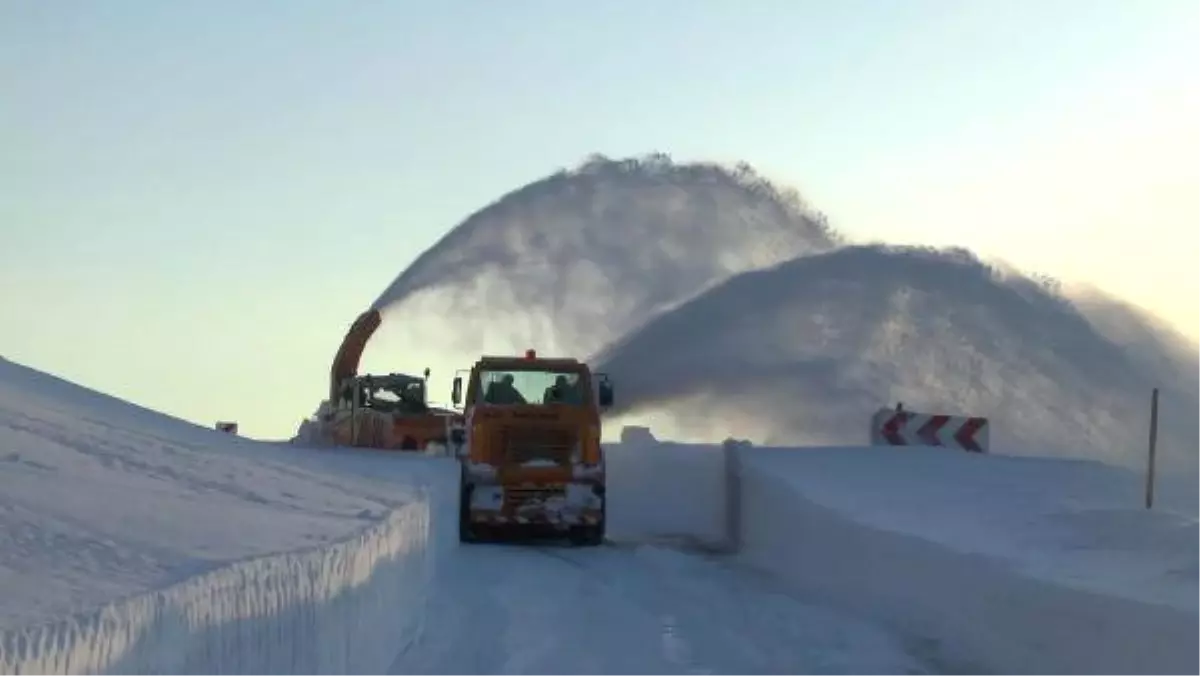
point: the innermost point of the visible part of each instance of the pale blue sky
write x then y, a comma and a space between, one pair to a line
196, 198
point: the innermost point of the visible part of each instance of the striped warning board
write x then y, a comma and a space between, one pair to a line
891, 427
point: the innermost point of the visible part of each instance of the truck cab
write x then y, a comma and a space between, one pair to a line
532, 463
386, 412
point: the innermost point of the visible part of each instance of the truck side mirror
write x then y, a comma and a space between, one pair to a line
605, 394
456, 391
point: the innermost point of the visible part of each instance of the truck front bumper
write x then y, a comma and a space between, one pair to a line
560, 507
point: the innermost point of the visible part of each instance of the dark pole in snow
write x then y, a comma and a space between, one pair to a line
1153, 446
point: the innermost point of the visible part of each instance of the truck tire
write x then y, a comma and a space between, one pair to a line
466, 533
591, 536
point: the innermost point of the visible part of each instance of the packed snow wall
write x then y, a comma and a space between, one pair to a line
989, 563
345, 608
665, 491
974, 612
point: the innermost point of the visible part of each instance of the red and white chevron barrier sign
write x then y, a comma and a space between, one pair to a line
908, 428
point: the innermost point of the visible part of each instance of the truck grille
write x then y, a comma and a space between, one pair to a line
523, 445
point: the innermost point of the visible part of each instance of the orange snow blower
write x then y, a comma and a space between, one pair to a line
388, 412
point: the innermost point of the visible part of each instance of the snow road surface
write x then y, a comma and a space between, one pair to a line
630, 609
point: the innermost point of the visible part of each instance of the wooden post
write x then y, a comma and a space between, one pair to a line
733, 497
1153, 446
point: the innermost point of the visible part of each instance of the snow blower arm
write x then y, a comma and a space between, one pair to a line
345, 362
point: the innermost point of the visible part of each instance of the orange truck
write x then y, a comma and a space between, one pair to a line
388, 412
531, 460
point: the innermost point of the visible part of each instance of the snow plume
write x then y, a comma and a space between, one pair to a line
570, 262
802, 352
1151, 343
725, 305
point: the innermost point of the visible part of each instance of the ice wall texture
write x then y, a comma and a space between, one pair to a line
347, 608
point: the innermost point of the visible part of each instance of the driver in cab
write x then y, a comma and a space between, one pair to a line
561, 392
503, 391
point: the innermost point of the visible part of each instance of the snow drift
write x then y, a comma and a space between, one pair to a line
722, 301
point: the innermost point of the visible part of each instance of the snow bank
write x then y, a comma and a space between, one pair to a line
1010, 565
994, 563
342, 609
664, 490
100, 500
134, 542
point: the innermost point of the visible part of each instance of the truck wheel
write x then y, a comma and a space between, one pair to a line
601, 529
465, 531
591, 536
587, 536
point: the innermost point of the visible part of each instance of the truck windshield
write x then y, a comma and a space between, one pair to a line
394, 395
532, 387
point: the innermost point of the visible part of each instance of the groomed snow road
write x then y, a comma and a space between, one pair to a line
500, 609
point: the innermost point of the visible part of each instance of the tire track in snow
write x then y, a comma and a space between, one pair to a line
618, 610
